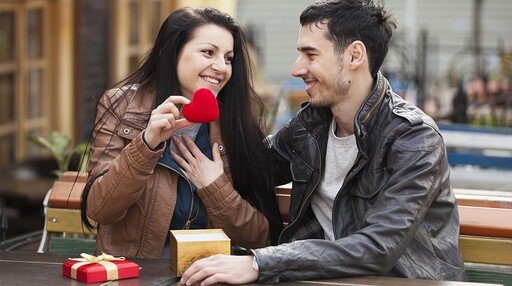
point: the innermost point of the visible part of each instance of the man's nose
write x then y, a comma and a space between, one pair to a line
298, 69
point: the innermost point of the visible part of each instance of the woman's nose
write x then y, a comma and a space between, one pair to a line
219, 65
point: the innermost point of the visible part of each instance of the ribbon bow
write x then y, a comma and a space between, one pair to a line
103, 259
93, 259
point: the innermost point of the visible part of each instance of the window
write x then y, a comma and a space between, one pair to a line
24, 82
135, 28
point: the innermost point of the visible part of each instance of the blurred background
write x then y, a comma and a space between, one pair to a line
453, 59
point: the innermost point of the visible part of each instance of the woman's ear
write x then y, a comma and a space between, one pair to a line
357, 53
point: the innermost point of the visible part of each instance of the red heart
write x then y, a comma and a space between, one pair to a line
203, 108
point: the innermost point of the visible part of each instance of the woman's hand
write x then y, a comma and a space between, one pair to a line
164, 120
200, 170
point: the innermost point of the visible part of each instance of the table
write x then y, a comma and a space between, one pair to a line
26, 268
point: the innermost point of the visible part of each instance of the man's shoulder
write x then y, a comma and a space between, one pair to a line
415, 129
406, 110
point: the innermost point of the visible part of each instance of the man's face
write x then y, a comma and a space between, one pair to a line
320, 66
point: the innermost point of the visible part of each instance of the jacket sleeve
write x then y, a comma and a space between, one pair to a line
127, 165
417, 173
226, 209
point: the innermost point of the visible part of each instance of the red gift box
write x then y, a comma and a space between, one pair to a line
99, 270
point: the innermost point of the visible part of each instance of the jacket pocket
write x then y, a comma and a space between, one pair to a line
132, 125
369, 185
301, 172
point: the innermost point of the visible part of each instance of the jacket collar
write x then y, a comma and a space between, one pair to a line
365, 116
141, 99
316, 120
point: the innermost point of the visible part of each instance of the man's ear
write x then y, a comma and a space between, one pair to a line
357, 53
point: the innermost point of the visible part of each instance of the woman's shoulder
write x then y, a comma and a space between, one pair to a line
113, 94
134, 98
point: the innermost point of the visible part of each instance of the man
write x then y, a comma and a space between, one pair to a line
371, 193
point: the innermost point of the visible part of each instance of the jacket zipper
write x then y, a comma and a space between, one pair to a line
190, 218
189, 221
347, 179
316, 185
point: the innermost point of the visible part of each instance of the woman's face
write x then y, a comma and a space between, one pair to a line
205, 61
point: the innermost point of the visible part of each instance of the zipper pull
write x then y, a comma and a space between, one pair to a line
187, 224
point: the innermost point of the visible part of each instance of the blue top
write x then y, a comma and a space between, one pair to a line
189, 212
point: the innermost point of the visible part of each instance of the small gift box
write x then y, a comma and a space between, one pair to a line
91, 269
190, 245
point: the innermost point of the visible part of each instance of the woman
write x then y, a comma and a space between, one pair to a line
144, 181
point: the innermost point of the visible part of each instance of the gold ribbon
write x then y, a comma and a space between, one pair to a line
103, 259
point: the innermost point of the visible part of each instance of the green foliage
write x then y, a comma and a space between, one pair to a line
61, 148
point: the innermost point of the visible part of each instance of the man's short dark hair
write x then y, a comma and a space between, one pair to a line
351, 20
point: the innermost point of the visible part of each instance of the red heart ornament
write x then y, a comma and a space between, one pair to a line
203, 108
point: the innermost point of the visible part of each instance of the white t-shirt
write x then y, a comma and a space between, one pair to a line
340, 156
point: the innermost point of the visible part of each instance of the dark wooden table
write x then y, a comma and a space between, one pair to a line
26, 268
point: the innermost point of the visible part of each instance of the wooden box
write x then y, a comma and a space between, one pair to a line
187, 246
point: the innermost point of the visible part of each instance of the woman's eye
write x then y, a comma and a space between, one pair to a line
208, 52
228, 59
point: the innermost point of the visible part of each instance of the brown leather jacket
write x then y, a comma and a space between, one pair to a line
134, 200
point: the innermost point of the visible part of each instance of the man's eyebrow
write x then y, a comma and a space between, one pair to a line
306, 49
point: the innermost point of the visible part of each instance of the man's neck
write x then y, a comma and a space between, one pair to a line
345, 111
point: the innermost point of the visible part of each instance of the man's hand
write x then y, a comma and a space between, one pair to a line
221, 269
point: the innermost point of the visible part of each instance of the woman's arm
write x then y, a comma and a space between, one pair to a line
128, 164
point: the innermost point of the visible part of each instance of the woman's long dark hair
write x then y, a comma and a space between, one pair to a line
241, 129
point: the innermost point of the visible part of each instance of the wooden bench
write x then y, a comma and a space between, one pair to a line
64, 232
486, 236
486, 221
485, 226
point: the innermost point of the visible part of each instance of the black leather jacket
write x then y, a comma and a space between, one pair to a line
395, 214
